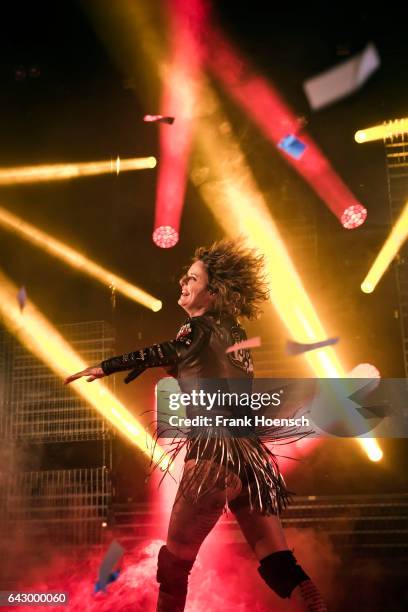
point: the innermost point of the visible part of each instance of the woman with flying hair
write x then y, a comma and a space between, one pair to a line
224, 283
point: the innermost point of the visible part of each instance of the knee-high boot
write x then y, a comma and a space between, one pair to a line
287, 578
172, 575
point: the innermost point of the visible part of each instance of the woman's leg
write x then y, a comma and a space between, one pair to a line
278, 566
191, 521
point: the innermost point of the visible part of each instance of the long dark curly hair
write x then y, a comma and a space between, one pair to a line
236, 277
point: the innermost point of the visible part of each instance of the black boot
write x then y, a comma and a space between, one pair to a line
172, 574
283, 575
170, 603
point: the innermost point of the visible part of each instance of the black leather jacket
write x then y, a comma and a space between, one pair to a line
198, 351
197, 358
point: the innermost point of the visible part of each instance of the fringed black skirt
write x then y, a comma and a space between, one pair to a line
248, 457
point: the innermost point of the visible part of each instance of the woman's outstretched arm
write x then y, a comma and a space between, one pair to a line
190, 339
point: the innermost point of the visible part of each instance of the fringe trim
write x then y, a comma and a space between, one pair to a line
246, 457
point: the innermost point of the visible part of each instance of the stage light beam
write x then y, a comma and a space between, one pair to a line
39, 336
240, 209
389, 250
266, 107
179, 99
372, 449
75, 259
62, 172
383, 131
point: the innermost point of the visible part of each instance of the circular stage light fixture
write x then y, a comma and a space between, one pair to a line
165, 236
353, 216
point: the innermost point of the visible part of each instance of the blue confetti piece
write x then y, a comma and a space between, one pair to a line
292, 146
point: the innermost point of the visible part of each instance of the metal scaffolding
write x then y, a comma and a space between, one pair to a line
370, 525
39, 408
396, 149
68, 507
60, 506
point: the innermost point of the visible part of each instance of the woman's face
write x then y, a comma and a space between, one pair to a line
195, 297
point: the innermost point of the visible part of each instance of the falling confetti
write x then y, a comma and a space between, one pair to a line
22, 298
106, 573
342, 80
111, 578
296, 348
245, 344
292, 146
158, 118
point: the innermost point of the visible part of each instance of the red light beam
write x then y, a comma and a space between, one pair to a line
269, 111
179, 100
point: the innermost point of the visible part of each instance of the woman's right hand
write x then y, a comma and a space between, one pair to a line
92, 373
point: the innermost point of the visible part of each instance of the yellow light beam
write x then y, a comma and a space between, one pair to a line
37, 334
383, 131
62, 172
75, 259
390, 248
239, 207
